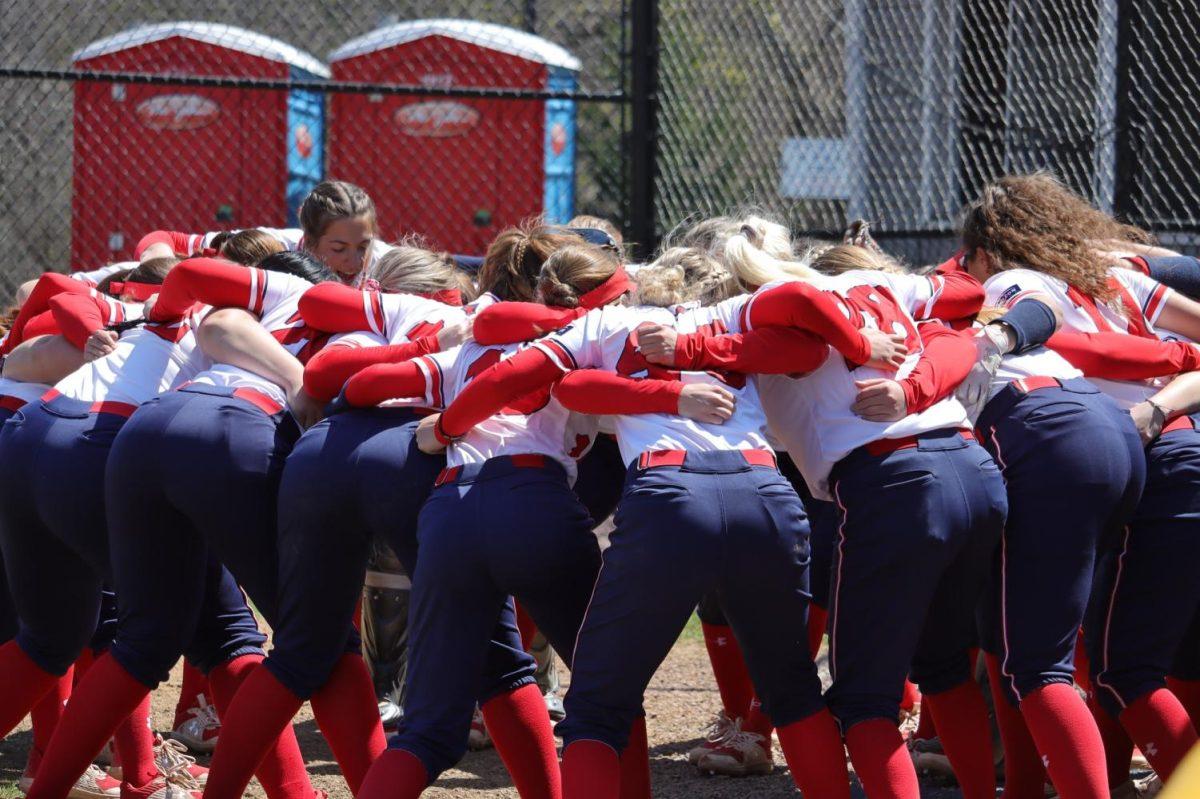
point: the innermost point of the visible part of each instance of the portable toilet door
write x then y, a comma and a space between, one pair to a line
190, 157
456, 170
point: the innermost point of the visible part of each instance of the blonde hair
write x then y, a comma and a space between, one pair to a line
684, 274
573, 271
514, 260
758, 252
1035, 222
852, 258
411, 268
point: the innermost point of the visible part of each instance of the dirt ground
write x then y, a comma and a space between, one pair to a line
680, 701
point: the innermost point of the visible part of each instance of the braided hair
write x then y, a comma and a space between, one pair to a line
331, 200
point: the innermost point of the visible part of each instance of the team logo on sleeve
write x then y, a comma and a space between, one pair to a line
1009, 293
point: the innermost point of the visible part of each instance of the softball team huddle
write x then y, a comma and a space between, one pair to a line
994, 458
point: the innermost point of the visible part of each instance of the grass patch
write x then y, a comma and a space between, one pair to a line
691, 632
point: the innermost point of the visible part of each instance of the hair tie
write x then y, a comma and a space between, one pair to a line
617, 284
139, 291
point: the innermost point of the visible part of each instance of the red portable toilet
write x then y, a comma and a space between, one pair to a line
455, 170
189, 157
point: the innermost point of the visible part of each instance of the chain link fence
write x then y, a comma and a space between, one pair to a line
463, 116
118, 117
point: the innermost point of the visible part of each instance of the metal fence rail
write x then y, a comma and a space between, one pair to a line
462, 117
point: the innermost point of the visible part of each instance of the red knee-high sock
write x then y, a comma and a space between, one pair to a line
635, 763
22, 685
1118, 746
281, 771
133, 741
397, 774
817, 619
1082, 665
82, 663
961, 718
813, 750
250, 725
520, 729
1188, 694
525, 626
590, 770
910, 698
104, 700
925, 726
194, 684
1160, 727
45, 717
755, 720
882, 761
347, 713
729, 669
1066, 735
1024, 773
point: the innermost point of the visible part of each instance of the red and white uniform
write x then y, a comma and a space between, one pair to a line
148, 360
95, 277
811, 414
272, 296
396, 318
1139, 298
535, 424
606, 338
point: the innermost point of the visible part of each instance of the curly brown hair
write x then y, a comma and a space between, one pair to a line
1035, 222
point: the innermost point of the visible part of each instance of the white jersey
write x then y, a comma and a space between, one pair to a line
535, 424
1139, 301
26, 392
149, 360
95, 277
606, 338
274, 299
811, 414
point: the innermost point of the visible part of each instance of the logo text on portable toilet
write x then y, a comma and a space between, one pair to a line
558, 138
437, 118
177, 112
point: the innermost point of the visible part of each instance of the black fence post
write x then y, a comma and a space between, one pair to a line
530, 15
642, 139
1131, 117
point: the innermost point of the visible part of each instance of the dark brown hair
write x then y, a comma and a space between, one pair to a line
1035, 222
514, 260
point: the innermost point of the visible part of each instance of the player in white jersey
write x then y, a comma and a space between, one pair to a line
64, 441
202, 462
1031, 233
704, 498
337, 225
517, 466
923, 466
338, 493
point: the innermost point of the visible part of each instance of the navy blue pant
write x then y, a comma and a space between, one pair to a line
497, 530
823, 521
714, 525
601, 477
1073, 465
191, 486
1146, 592
916, 534
52, 525
9, 621
352, 478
